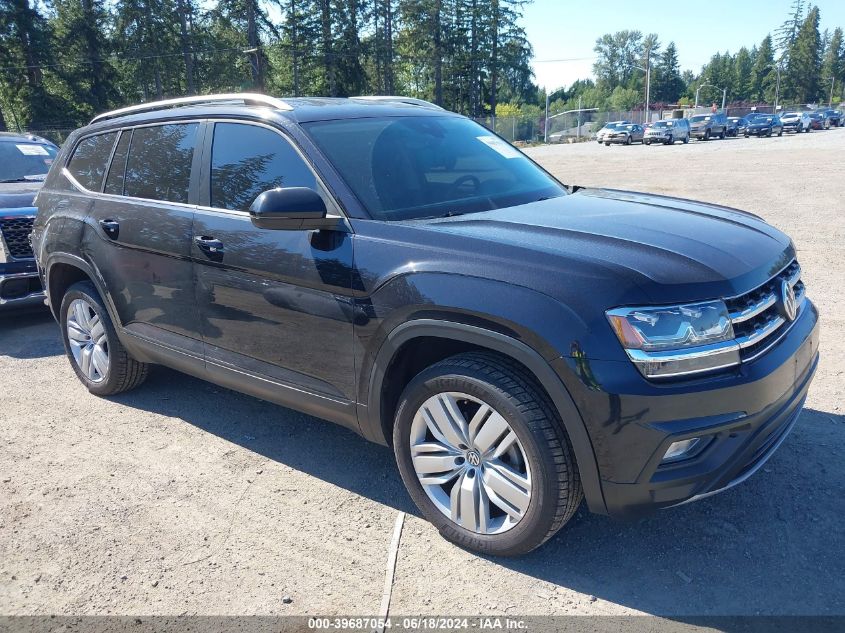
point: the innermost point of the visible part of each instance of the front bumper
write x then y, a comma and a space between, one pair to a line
763, 131
20, 286
743, 416
615, 139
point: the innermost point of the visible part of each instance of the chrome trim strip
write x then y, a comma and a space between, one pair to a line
245, 97
766, 302
727, 349
770, 328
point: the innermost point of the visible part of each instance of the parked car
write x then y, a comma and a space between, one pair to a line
403, 271
706, 126
795, 121
668, 131
24, 163
764, 125
625, 134
835, 117
826, 119
742, 125
733, 126
610, 126
817, 121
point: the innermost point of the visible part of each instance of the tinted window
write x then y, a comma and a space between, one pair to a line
114, 181
159, 163
247, 160
22, 160
90, 158
429, 166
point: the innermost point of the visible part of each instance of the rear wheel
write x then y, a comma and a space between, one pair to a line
97, 356
628, 140
670, 140
686, 139
707, 135
484, 455
722, 135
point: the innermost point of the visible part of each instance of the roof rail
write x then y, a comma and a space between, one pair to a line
245, 97
407, 100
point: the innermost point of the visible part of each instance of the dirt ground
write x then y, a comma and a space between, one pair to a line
184, 498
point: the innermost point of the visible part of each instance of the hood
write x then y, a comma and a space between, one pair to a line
761, 124
18, 195
671, 249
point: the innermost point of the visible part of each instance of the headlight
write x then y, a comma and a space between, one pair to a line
676, 340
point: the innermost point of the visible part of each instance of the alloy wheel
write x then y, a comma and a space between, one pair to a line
470, 463
88, 341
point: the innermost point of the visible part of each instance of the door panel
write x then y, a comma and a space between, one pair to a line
272, 303
142, 247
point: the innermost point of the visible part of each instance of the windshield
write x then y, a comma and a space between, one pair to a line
664, 124
763, 119
417, 167
23, 160
789, 115
699, 118
611, 126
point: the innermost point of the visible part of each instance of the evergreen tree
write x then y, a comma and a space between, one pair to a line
764, 72
803, 68
743, 73
667, 83
833, 67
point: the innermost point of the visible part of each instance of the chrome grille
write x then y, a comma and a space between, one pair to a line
756, 315
15, 234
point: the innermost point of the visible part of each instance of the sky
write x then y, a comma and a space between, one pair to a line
568, 29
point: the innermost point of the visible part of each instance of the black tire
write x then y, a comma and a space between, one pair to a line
722, 135
124, 372
780, 133
686, 139
670, 140
646, 142
628, 140
503, 384
707, 135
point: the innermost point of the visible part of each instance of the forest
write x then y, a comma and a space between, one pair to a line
61, 61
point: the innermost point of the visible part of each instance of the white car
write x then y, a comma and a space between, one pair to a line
610, 126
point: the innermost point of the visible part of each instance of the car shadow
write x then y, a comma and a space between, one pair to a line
31, 333
771, 545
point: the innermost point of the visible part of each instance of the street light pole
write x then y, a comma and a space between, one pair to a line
830, 99
724, 94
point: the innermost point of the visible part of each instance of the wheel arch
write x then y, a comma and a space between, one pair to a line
62, 270
441, 339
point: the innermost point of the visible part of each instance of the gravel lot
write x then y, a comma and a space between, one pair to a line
183, 497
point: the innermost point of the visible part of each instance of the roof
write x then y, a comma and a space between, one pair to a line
300, 109
18, 137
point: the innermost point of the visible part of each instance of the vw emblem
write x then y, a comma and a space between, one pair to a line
788, 304
473, 458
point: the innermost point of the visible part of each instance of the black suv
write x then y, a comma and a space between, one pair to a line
402, 271
24, 162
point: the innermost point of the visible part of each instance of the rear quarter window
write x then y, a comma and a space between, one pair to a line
89, 160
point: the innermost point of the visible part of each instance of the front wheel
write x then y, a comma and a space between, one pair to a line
98, 358
646, 142
686, 139
780, 133
722, 135
670, 140
628, 140
707, 135
484, 455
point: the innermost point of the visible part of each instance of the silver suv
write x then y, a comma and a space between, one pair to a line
667, 132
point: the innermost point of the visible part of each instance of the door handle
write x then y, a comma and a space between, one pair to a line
111, 228
210, 245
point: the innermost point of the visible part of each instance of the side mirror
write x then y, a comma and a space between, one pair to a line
291, 209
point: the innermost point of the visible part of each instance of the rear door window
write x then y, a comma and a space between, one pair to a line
159, 163
247, 160
89, 160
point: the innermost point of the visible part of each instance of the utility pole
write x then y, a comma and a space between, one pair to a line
830, 99
724, 94
647, 83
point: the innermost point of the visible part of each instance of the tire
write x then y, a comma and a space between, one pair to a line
722, 135
707, 135
607, 144
780, 133
526, 411
769, 134
670, 140
646, 142
628, 140
686, 139
82, 310
747, 135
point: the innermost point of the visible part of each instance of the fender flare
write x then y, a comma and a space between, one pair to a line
371, 422
92, 273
